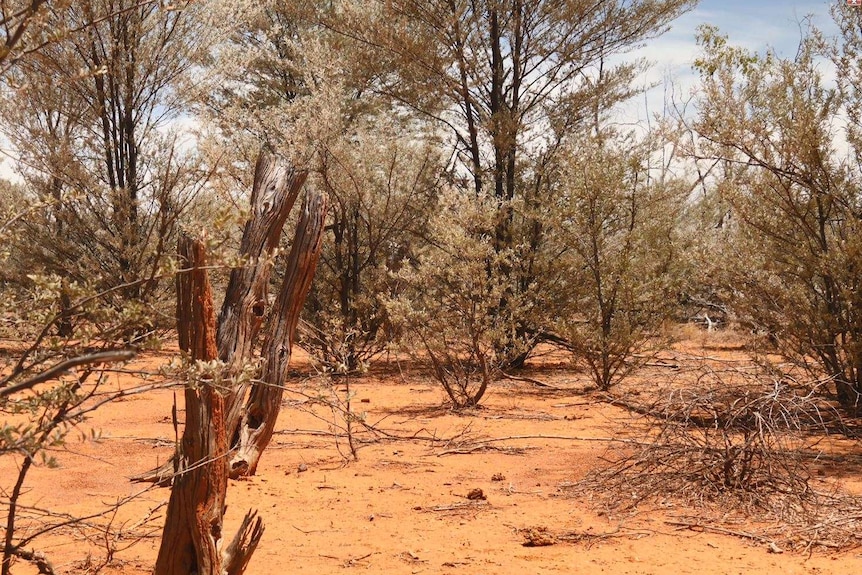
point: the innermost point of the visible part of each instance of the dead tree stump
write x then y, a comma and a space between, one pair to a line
245, 305
192, 540
192, 537
264, 401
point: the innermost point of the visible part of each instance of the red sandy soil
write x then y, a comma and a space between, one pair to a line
401, 507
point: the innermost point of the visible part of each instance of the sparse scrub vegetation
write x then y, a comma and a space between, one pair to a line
616, 226
470, 206
446, 308
792, 200
732, 435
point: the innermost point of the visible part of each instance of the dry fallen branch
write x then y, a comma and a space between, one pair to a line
737, 439
460, 506
720, 530
543, 537
529, 380
483, 444
483, 447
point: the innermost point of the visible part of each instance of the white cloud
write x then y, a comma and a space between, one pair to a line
757, 25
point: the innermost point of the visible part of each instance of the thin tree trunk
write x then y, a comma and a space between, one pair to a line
264, 402
192, 537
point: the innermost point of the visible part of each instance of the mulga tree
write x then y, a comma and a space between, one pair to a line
444, 309
24, 30
50, 385
90, 119
615, 228
382, 186
508, 82
796, 202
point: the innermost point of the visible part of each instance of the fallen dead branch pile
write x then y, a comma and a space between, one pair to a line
831, 523
742, 444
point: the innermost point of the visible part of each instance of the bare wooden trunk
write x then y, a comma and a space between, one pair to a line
192, 537
273, 195
264, 402
274, 192
245, 303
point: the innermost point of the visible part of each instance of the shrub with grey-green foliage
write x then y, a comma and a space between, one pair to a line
448, 308
615, 224
795, 198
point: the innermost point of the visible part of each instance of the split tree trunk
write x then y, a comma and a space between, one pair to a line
245, 304
264, 402
192, 537
274, 192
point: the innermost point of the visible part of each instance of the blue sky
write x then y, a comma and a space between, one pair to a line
754, 24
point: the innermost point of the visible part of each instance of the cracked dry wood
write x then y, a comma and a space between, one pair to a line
192, 538
274, 193
264, 402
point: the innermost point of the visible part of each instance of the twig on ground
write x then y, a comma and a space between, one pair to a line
529, 380
483, 443
481, 447
720, 530
460, 506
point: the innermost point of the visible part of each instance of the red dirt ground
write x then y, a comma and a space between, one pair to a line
402, 507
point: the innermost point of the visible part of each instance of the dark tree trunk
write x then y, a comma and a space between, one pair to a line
264, 402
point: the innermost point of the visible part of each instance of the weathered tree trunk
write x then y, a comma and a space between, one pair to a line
264, 402
192, 537
245, 304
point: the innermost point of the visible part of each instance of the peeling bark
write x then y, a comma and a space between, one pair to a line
245, 303
192, 537
192, 541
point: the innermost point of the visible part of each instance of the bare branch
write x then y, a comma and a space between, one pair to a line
63, 366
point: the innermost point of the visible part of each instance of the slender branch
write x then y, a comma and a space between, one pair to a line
720, 530
528, 380
484, 442
63, 366
8, 548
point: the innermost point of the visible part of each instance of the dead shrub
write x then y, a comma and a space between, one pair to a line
728, 438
